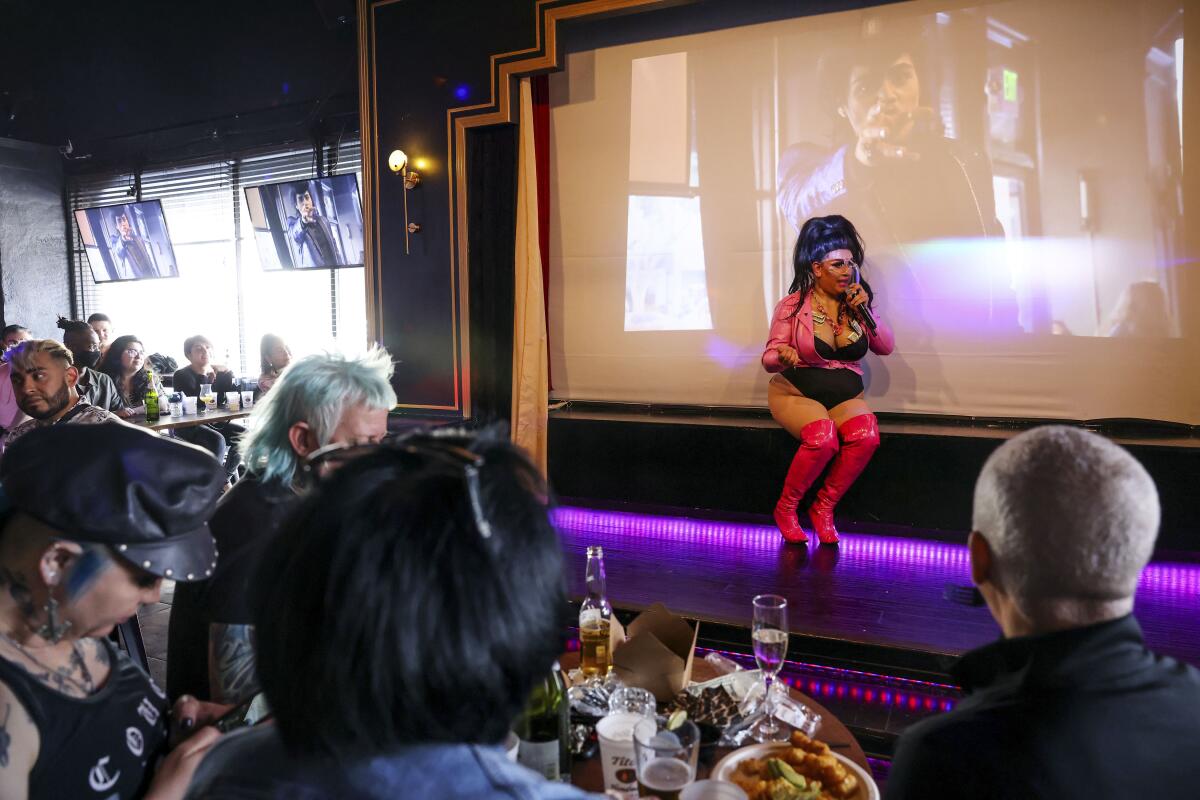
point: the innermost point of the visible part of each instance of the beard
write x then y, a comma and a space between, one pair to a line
54, 405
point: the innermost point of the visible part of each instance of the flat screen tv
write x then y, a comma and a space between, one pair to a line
308, 223
128, 242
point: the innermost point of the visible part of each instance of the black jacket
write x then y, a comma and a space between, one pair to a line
1087, 713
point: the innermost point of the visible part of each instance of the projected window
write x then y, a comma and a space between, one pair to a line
665, 283
665, 287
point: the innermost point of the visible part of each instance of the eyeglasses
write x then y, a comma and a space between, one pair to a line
332, 456
841, 263
134, 352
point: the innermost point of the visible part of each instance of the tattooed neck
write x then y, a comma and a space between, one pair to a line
17, 585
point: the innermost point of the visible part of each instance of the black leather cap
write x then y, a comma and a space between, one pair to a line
146, 496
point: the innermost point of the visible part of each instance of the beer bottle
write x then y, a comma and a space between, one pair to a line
151, 397
595, 620
543, 729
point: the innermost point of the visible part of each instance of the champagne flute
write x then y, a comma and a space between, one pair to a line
770, 634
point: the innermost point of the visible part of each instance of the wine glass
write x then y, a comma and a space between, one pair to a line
770, 634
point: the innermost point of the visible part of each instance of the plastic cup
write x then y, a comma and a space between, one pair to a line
665, 758
634, 700
189, 404
247, 399
712, 790
615, 733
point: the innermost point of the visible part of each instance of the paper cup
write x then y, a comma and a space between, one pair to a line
512, 744
615, 733
189, 404
247, 399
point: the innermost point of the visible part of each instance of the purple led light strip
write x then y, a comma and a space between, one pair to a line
1177, 581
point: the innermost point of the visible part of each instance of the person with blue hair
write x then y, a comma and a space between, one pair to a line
319, 401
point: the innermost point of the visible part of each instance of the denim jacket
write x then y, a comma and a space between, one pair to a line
252, 765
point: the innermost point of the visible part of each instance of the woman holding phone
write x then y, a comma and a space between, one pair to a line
820, 333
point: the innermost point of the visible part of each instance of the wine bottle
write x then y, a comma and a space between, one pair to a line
542, 729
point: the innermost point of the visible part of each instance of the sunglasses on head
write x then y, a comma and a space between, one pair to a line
333, 456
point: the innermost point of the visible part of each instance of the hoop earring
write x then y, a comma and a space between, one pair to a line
54, 629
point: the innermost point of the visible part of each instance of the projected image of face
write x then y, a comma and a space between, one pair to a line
880, 104
304, 204
124, 229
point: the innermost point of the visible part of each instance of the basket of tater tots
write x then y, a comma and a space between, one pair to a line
799, 769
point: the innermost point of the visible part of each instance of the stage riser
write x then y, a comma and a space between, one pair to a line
915, 480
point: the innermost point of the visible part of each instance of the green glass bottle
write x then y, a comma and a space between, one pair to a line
151, 398
543, 729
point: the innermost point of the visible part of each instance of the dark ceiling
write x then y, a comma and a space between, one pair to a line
140, 78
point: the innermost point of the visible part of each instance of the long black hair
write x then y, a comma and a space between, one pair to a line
820, 236
110, 365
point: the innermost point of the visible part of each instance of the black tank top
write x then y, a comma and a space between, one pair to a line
105, 746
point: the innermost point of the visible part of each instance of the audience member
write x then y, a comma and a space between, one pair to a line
43, 380
10, 412
321, 400
102, 325
125, 364
403, 613
80, 718
1070, 703
201, 370
14, 335
219, 439
95, 387
274, 355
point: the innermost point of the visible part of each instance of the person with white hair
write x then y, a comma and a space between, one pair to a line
1070, 703
319, 401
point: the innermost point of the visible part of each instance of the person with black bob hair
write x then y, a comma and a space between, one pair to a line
819, 335
404, 613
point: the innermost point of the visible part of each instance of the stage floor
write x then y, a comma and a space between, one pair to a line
871, 590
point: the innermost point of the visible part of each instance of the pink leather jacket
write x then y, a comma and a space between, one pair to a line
797, 331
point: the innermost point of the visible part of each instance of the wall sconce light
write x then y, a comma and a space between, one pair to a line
398, 164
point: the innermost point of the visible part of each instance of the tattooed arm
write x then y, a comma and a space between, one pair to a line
19, 745
231, 675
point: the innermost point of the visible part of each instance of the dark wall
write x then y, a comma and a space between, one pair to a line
426, 57
144, 80
33, 237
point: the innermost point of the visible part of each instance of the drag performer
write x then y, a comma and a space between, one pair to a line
819, 334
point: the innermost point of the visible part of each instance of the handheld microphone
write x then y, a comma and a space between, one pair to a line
862, 311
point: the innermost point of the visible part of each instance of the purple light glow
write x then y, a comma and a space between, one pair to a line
855, 548
1162, 580
910, 570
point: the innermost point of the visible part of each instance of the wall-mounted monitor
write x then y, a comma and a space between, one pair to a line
128, 242
308, 223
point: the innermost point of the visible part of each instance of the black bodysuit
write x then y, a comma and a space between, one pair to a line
104, 746
830, 387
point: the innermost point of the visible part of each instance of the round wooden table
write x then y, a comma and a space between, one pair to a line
588, 774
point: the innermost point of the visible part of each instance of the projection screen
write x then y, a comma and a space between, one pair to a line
1016, 170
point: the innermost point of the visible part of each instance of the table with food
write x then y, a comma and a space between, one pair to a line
644, 713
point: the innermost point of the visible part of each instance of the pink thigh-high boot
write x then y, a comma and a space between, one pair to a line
818, 444
860, 439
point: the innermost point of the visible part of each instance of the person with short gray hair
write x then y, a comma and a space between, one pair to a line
319, 401
1069, 703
